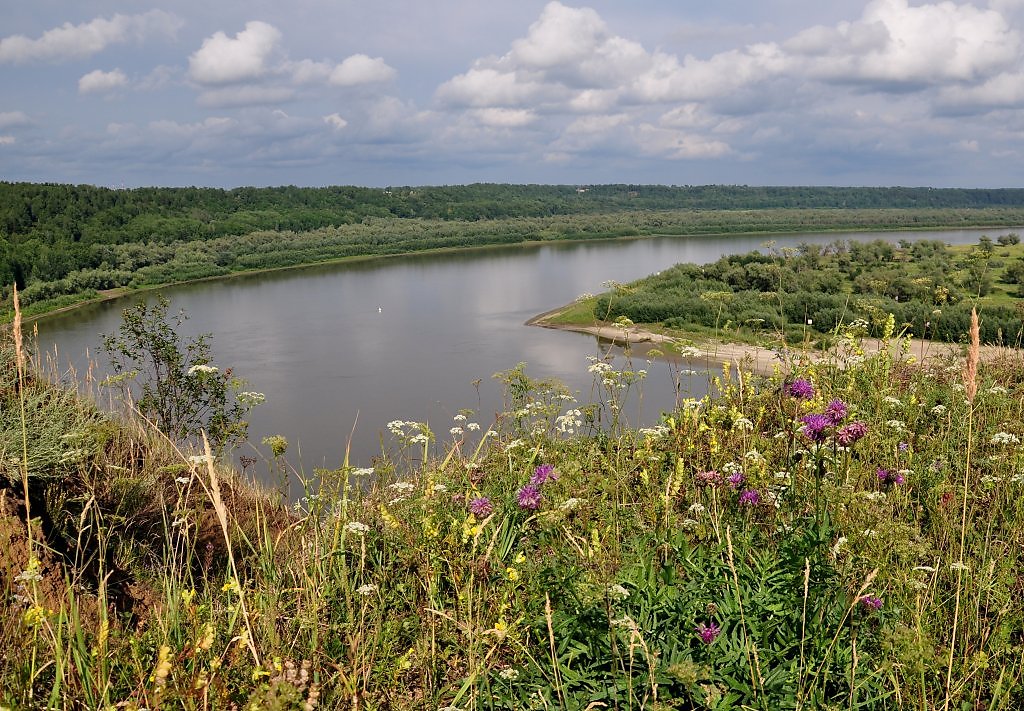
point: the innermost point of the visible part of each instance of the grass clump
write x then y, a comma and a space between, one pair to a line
813, 539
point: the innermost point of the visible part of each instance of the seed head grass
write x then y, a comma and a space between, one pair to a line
736, 555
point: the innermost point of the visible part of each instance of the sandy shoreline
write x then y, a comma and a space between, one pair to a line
750, 357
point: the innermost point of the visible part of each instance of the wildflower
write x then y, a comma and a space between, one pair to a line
529, 497
366, 590
455, 431
939, 410
871, 601
709, 478
402, 487
363, 471
749, 497
708, 632
697, 508
815, 426
508, 674
231, 586
1004, 438
903, 447
481, 507
357, 528
512, 574
892, 401
889, 477
801, 389
736, 480
836, 411
201, 368
851, 433
543, 474
472, 426
459, 418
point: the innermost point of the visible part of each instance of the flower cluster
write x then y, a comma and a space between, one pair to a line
817, 427
530, 496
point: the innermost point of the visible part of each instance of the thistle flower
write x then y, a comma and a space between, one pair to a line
889, 477
708, 478
736, 480
543, 474
529, 497
872, 602
801, 389
707, 632
749, 497
851, 433
836, 411
815, 426
481, 507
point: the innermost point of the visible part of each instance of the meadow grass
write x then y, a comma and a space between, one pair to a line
843, 534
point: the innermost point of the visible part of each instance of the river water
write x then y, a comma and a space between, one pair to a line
417, 337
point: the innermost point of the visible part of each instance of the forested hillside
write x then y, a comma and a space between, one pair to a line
62, 243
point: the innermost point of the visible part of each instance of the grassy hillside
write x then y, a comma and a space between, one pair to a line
846, 536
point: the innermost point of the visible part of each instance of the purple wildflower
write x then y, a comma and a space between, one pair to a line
801, 389
709, 478
735, 480
888, 477
903, 446
836, 411
708, 633
529, 497
815, 426
481, 507
851, 433
749, 497
543, 474
871, 601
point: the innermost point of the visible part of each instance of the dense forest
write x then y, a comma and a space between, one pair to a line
925, 288
62, 243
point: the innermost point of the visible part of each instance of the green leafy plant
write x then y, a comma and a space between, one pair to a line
171, 379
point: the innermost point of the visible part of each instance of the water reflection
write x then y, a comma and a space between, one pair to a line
413, 338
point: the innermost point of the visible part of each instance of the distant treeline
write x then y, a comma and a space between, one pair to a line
59, 243
924, 287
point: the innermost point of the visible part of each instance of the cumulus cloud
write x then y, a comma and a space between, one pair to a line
84, 40
99, 81
896, 42
14, 119
7, 140
335, 121
224, 60
361, 69
505, 118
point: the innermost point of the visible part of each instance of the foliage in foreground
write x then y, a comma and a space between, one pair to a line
846, 537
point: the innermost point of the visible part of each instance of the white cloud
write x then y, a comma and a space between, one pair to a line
14, 119
677, 145
6, 140
1002, 90
361, 69
505, 118
99, 81
896, 42
223, 60
79, 41
335, 121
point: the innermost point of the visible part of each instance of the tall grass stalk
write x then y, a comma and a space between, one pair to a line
971, 389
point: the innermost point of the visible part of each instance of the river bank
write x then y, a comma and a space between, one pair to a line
760, 359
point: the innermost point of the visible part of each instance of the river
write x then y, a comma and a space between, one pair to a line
414, 338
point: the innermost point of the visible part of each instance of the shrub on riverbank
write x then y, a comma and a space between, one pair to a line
847, 536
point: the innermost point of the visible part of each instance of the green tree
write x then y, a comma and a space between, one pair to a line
172, 380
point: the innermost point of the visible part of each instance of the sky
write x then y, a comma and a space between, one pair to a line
228, 93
